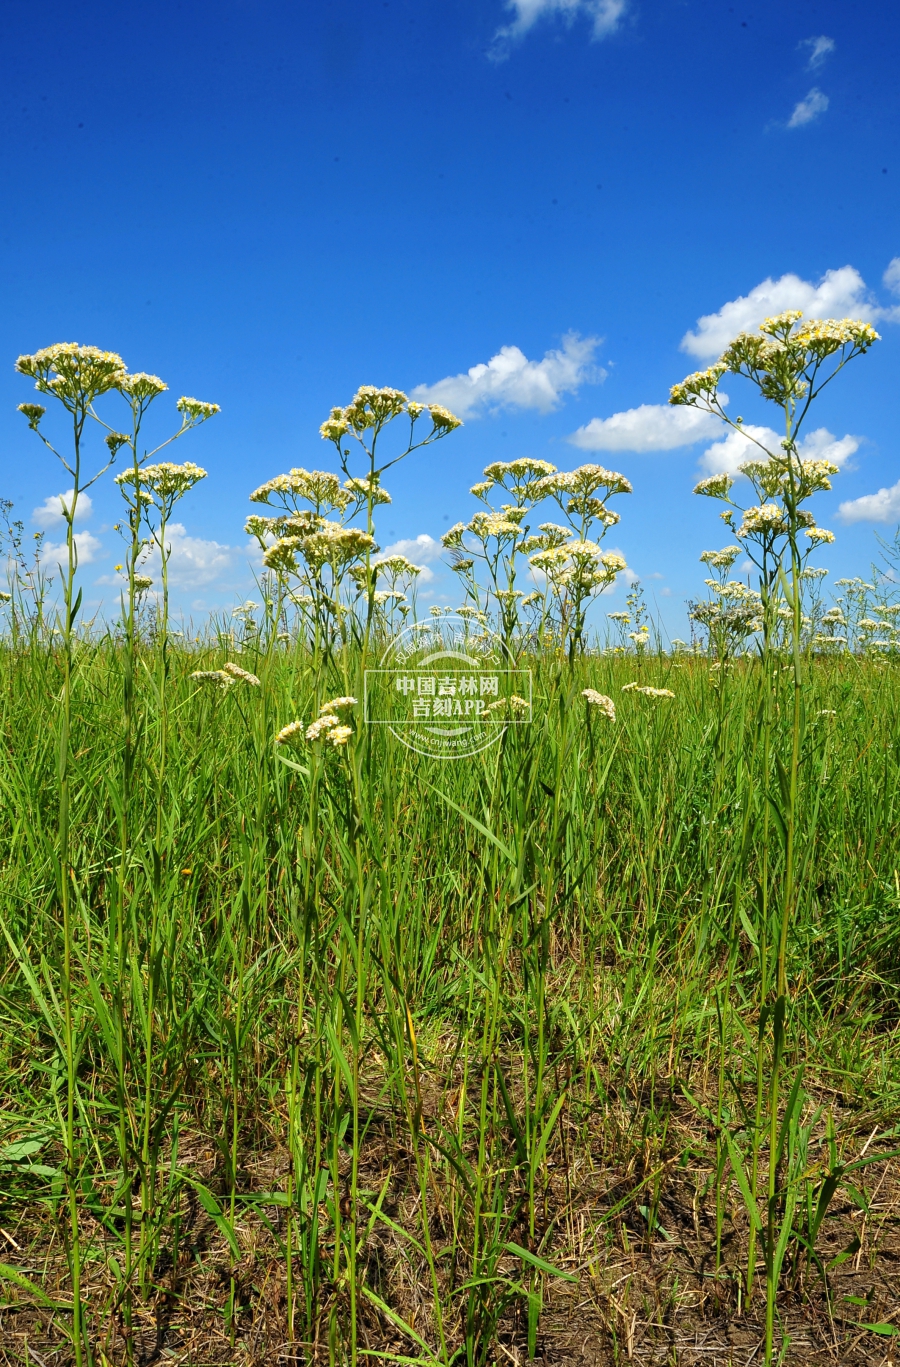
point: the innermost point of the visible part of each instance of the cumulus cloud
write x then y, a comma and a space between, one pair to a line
652, 427
87, 546
891, 277
605, 15
736, 447
50, 513
510, 380
422, 550
809, 108
193, 562
819, 49
838, 294
881, 507
726, 455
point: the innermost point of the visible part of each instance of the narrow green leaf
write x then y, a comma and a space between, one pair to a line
539, 1263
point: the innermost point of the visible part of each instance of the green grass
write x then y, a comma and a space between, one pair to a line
418, 1057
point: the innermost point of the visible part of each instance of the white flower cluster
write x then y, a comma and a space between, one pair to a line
600, 701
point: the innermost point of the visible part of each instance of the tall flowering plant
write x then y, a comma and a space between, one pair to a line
789, 362
75, 376
578, 568
566, 562
362, 424
488, 547
311, 538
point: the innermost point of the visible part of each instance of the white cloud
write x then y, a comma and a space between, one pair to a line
726, 455
605, 14
193, 562
891, 277
421, 550
50, 512
652, 427
881, 507
838, 294
510, 380
820, 444
819, 48
87, 546
809, 108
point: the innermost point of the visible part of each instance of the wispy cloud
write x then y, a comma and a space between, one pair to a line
838, 294
652, 427
49, 514
820, 49
510, 380
727, 455
422, 550
605, 17
809, 108
881, 507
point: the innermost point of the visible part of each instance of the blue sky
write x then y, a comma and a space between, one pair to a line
268, 204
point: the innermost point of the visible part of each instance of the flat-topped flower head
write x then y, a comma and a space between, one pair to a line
321, 488
142, 387
486, 525
371, 407
600, 701
512, 706
442, 419
321, 726
115, 441
195, 411
75, 374
819, 536
553, 557
701, 388
241, 674
337, 705
781, 323
715, 486
336, 545
166, 480
142, 583
583, 482
335, 427
263, 527
647, 691
396, 565
282, 557
815, 475
453, 538
554, 534
215, 678
367, 489
823, 336
766, 518
292, 734
33, 412
523, 468
339, 735
721, 560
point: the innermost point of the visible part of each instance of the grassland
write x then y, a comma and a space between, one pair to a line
440, 1061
